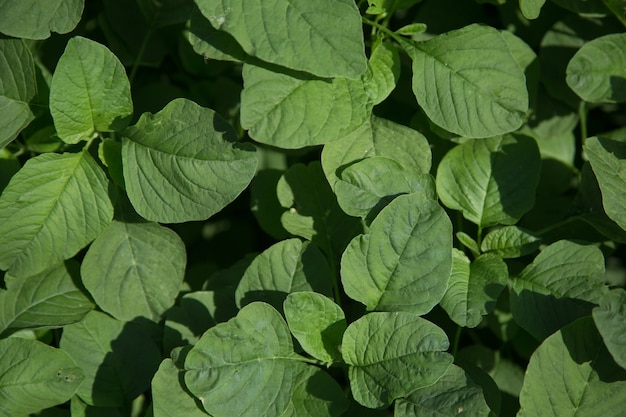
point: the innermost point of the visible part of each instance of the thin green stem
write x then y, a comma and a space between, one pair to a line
457, 339
582, 114
556, 225
384, 29
142, 50
479, 236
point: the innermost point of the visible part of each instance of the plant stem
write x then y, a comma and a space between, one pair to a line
556, 225
142, 50
384, 29
457, 339
582, 114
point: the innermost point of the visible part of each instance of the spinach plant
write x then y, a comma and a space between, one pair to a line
312, 208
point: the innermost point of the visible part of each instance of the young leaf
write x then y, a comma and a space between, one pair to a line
48, 299
474, 287
510, 242
391, 355
557, 288
89, 92
17, 87
34, 19
135, 269
118, 359
610, 319
324, 37
382, 73
571, 373
183, 163
492, 181
531, 8
52, 208
404, 262
597, 72
169, 396
34, 376
317, 323
468, 82
286, 267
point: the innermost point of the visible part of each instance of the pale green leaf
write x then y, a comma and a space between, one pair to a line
391, 355
610, 319
286, 267
34, 376
608, 161
382, 73
572, 374
468, 82
299, 110
510, 242
35, 19
322, 37
473, 287
317, 323
531, 8
48, 299
17, 87
118, 358
183, 163
453, 394
597, 73
404, 262
559, 286
212, 43
492, 181
412, 29
89, 92
52, 208
469, 242
169, 396
135, 269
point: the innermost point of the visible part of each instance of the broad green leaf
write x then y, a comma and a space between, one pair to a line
169, 396
382, 73
48, 299
608, 161
90, 92
212, 43
559, 286
317, 323
377, 137
366, 187
531, 8
135, 269
510, 242
118, 358
17, 87
286, 267
35, 19
252, 354
404, 262
52, 208
34, 376
597, 72
453, 394
324, 37
610, 319
299, 110
183, 163
473, 287
391, 355
492, 181
187, 321
572, 373
468, 82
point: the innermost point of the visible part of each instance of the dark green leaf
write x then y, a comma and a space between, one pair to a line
35, 19
170, 398
610, 319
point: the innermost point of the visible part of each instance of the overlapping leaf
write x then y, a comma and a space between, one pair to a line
189, 319
383, 72
170, 399
34, 19
510, 242
531, 8
610, 319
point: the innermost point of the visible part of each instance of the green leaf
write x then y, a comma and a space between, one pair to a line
317, 323
212, 43
79, 408
391, 355
404, 262
187, 321
298, 110
492, 181
135, 269
468, 82
183, 163
558, 287
52, 208
118, 359
245, 366
324, 37
608, 161
89, 93
510, 242
34, 376
48, 299
377, 137
452, 395
531, 8
469, 242
169, 397
264, 202
474, 287
610, 319
18, 87
35, 19
382, 73
412, 29
597, 72
286, 267
571, 373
